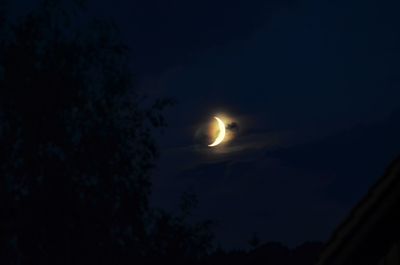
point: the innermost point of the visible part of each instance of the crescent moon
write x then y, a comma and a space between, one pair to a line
221, 134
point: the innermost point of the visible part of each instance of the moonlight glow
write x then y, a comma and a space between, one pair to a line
221, 134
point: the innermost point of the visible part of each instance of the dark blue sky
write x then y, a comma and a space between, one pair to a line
314, 83
317, 85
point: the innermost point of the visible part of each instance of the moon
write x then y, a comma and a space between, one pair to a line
221, 134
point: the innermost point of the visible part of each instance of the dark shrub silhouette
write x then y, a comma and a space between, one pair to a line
175, 241
272, 253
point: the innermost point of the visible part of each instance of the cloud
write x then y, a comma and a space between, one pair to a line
256, 194
233, 126
245, 145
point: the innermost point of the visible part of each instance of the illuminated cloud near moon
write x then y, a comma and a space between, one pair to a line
223, 135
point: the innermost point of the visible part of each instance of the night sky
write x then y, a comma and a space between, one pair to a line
314, 86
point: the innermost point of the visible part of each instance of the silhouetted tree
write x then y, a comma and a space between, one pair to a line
306, 253
272, 253
76, 148
254, 241
176, 239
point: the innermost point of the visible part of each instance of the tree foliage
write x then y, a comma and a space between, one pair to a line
76, 144
178, 240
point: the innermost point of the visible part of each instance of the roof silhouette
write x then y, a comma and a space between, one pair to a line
372, 227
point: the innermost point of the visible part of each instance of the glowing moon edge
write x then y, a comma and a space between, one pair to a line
221, 134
